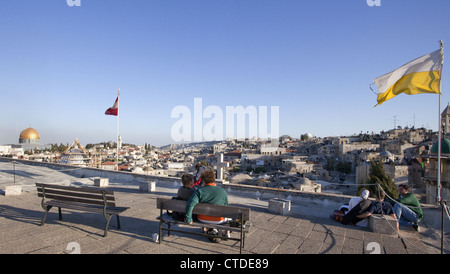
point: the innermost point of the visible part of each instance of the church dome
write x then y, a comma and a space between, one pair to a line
385, 153
29, 133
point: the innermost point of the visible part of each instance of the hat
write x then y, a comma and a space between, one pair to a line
364, 194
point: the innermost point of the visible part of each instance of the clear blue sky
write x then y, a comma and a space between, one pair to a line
61, 66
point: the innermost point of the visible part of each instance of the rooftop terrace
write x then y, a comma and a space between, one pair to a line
307, 230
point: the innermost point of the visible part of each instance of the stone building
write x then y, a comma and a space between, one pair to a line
445, 119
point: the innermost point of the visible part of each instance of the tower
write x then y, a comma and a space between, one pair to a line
445, 120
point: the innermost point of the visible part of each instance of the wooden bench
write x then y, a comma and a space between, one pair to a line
233, 212
85, 199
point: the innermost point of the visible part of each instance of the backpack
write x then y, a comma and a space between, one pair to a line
178, 216
337, 216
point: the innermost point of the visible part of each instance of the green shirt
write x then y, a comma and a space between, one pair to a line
209, 194
411, 201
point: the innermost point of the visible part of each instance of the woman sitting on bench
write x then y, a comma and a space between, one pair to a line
208, 194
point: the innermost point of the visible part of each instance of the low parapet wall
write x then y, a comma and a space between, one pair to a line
327, 201
85, 172
135, 178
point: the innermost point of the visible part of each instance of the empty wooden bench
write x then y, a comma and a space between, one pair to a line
237, 213
78, 198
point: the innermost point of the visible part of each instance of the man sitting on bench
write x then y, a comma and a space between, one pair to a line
208, 194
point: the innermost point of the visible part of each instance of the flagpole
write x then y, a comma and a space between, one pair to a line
439, 198
117, 147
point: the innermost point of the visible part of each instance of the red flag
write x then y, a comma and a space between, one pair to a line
114, 110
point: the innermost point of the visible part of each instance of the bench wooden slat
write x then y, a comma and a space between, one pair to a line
222, 211
71, 188
84, 207
205, 209
175, 205
218, 226
76, 193
76, 200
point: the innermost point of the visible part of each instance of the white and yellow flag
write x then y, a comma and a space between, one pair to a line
421, 75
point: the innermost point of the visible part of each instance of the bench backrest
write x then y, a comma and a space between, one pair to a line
76, 194
205, 209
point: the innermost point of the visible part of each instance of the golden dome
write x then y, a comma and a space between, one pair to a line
29, 133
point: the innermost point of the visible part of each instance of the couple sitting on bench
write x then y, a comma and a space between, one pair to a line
208, 194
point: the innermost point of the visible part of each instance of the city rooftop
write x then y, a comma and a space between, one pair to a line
306, 230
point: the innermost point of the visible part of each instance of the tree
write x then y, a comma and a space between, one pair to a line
377, 177
344, 167
61, 148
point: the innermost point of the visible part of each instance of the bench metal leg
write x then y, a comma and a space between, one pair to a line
241, 243
108, 219
47, 208
118, 222
59, 213
160, 226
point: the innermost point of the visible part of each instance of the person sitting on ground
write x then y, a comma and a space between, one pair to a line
379, 206
209, 194
408, 210
363, 195
357, 206
186, 190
